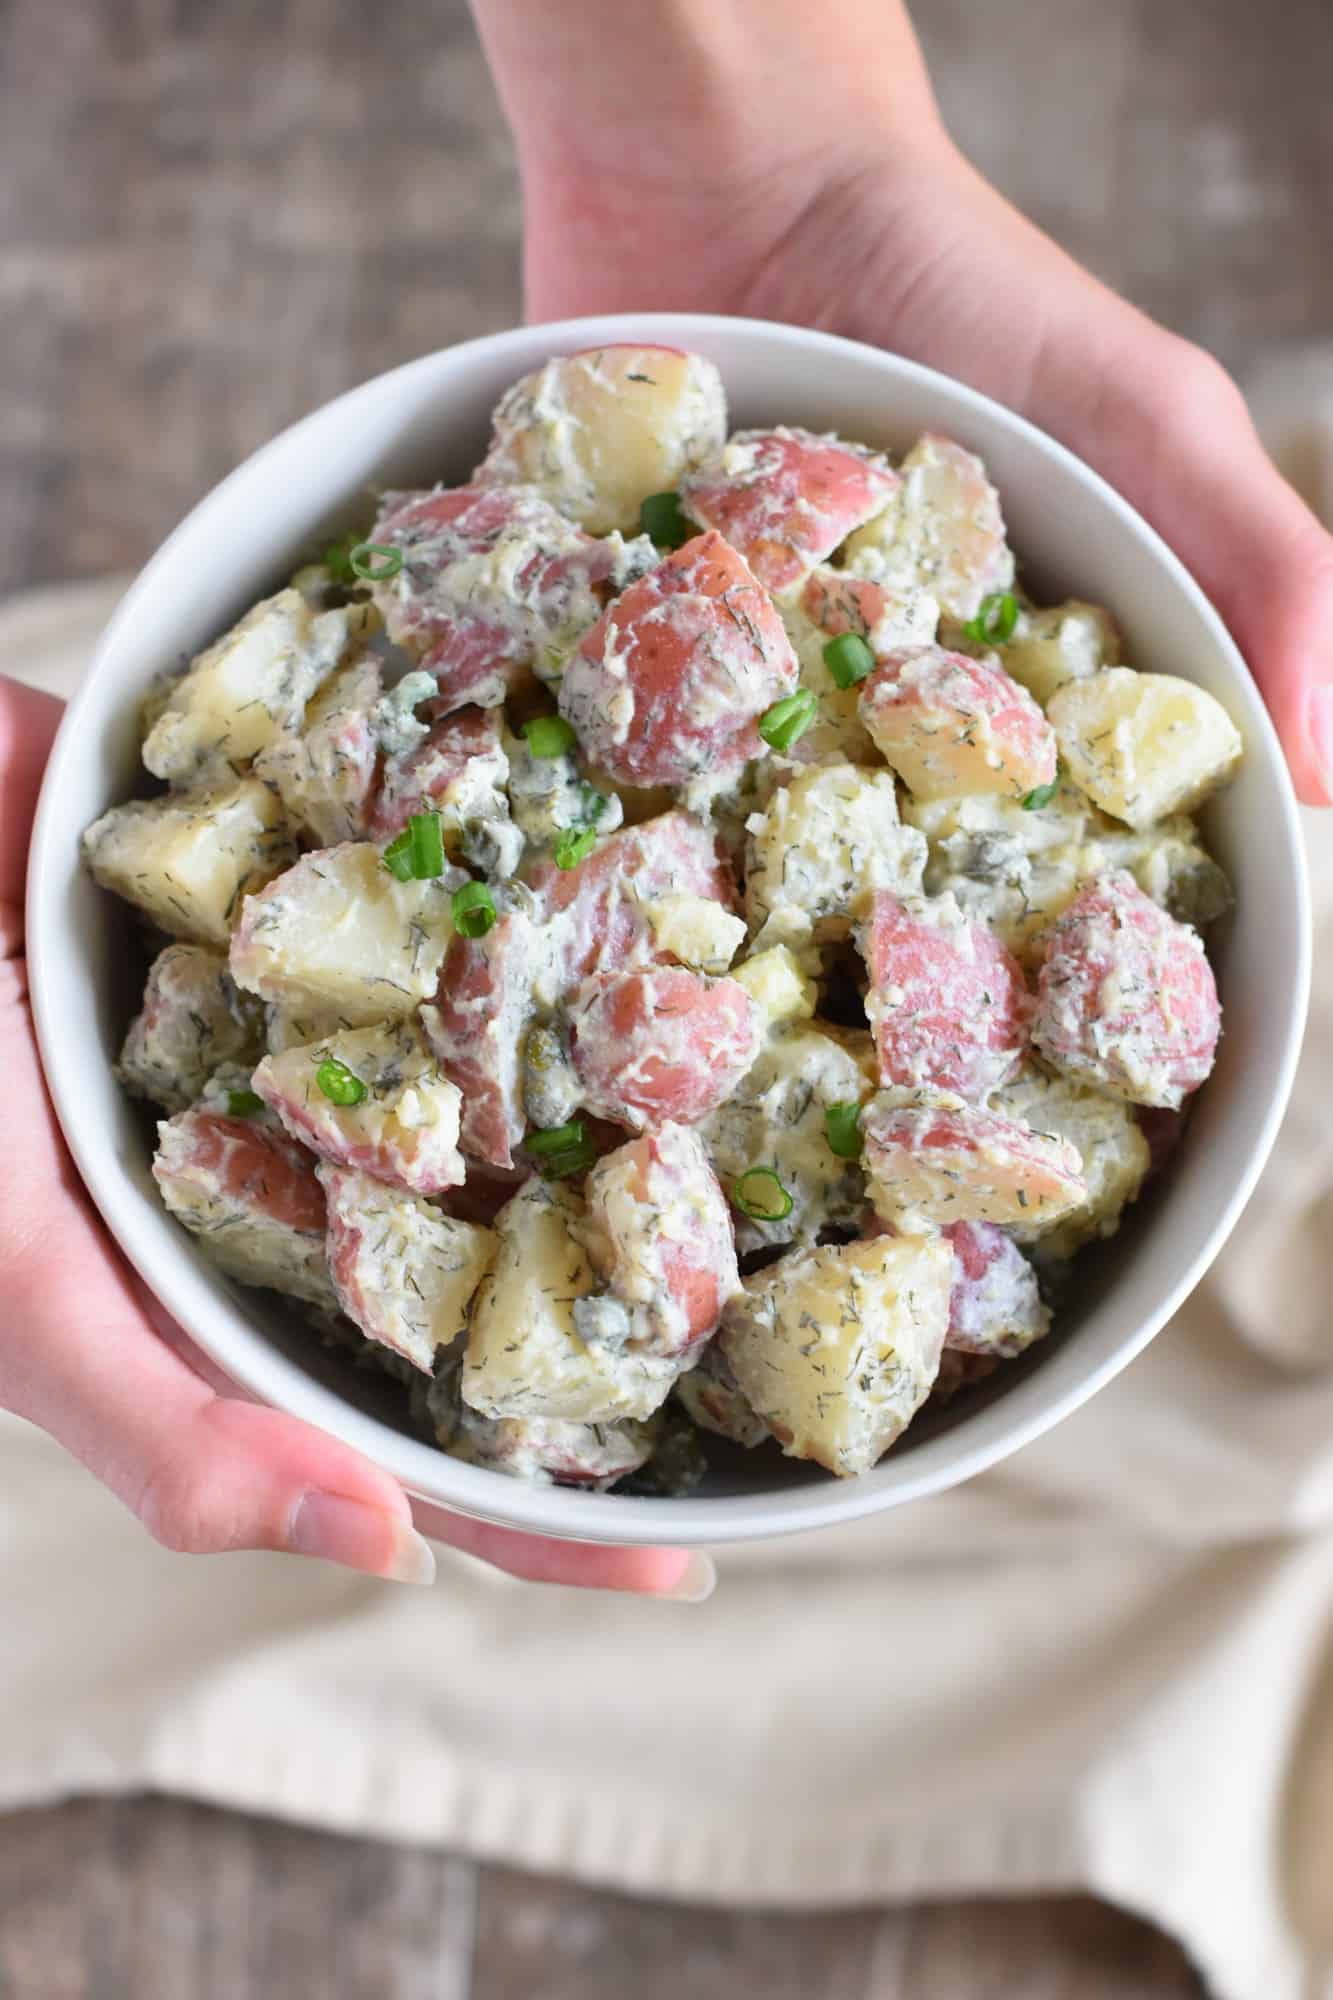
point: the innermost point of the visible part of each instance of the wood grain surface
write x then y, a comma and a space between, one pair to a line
156, 1900
213, 217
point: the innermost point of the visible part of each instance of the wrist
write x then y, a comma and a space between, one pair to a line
807, 233
666, 152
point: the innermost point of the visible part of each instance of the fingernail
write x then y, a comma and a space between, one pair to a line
696, 1583
336, 1529
1321, 733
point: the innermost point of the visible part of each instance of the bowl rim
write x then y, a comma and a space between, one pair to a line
239, 1347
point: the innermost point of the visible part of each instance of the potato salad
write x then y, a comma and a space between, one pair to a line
664, 946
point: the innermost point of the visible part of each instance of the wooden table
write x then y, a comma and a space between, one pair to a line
212, 218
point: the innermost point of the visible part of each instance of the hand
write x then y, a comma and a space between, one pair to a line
681, 159
79, 1353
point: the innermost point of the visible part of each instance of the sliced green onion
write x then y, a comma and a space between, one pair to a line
473, 910
549, 736
574, 846
848, 659
995, 621
1042, 796
561, 1150
243, 1103
338, 1083
660, 517
842, 1129
338, 561
398, 856
759, 1193
787, 719
574, 1160
375, 562
418, 852
555, 1138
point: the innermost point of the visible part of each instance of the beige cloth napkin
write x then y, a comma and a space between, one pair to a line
1108, 1664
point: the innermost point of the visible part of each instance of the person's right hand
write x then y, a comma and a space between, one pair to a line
81, 1353
757, 158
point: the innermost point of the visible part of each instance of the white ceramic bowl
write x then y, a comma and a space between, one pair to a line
428, 421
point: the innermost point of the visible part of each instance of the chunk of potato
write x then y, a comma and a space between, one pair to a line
249, 1193
995, 1307
542, 1450
339, 933
661, 1044
836, 1348
947, 1002
494, 586
325, 771
932, 1159
477, 1025
531, 1352
824, 845
192, 1021
943, 531
404, 1272
780, 989
950, 725
1144, 745
711, 1396
1126, 998
404, 1129
599, 431
658, 1230
289, 1027
774, 1118
785, 499
187, 859
250, 688
597, 914
833, 602
1009, 867
459, 770
1114, 1154
696, 931
669, 683
1066, 642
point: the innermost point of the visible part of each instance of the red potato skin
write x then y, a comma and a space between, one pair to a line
700, 1275
973, 690
693, 653
662, 1044
838, 602
985, 1259
257, 1165
1126, 997
588, 920
415, 782
962, 1023
471, 654
963, 1139
800, 498
386, 1163
476, 1026
595, 907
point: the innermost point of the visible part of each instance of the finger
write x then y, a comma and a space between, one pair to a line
203, 1472
686, 1576
28, 723
81, 1360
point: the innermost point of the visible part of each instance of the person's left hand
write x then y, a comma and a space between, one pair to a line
81, 1356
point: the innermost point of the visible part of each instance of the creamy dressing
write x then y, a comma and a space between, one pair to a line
527, 1166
